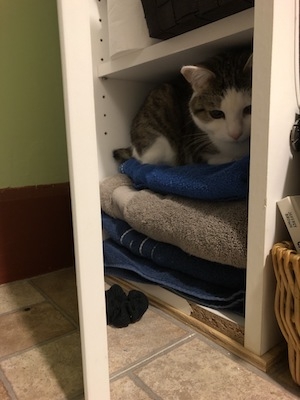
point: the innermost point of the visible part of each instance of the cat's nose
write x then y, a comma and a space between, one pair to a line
236, 134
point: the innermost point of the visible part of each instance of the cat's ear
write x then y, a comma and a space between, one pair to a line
248, 64
197, 76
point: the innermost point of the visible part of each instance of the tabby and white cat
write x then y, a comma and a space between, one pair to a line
205, 117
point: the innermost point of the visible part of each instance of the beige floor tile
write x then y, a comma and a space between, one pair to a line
24, 328
49, 372
197, 371
139, 340
16, 295
60, 286
3, 392
125, 389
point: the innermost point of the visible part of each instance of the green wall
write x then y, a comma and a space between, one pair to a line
32, 127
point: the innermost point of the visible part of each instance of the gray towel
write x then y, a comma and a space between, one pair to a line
215, 231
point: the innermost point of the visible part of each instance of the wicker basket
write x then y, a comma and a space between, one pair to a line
286, 264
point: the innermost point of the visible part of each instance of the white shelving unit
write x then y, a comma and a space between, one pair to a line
101, 97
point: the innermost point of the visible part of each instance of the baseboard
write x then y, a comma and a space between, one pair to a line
36, 234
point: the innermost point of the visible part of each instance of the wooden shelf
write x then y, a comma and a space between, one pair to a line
161, 60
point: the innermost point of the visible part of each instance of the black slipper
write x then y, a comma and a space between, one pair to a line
121, 310
116, 311
137, 304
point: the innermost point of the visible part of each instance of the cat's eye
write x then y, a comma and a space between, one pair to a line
216, 114
247, 110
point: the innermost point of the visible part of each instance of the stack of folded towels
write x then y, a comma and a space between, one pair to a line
183, 228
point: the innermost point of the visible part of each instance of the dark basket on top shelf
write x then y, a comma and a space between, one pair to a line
168, 18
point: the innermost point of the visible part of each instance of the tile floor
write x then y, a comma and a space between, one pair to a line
156, 358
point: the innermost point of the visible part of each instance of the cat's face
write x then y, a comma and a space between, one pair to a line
221, 102
226, 117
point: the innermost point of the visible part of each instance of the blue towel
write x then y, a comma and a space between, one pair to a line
198, 181
169, 256
120, 262
237, 306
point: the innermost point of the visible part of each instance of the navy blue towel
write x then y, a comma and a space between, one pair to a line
118, 261
172, 257
198, 181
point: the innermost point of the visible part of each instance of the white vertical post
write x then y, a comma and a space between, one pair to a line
74, 25
272, 170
